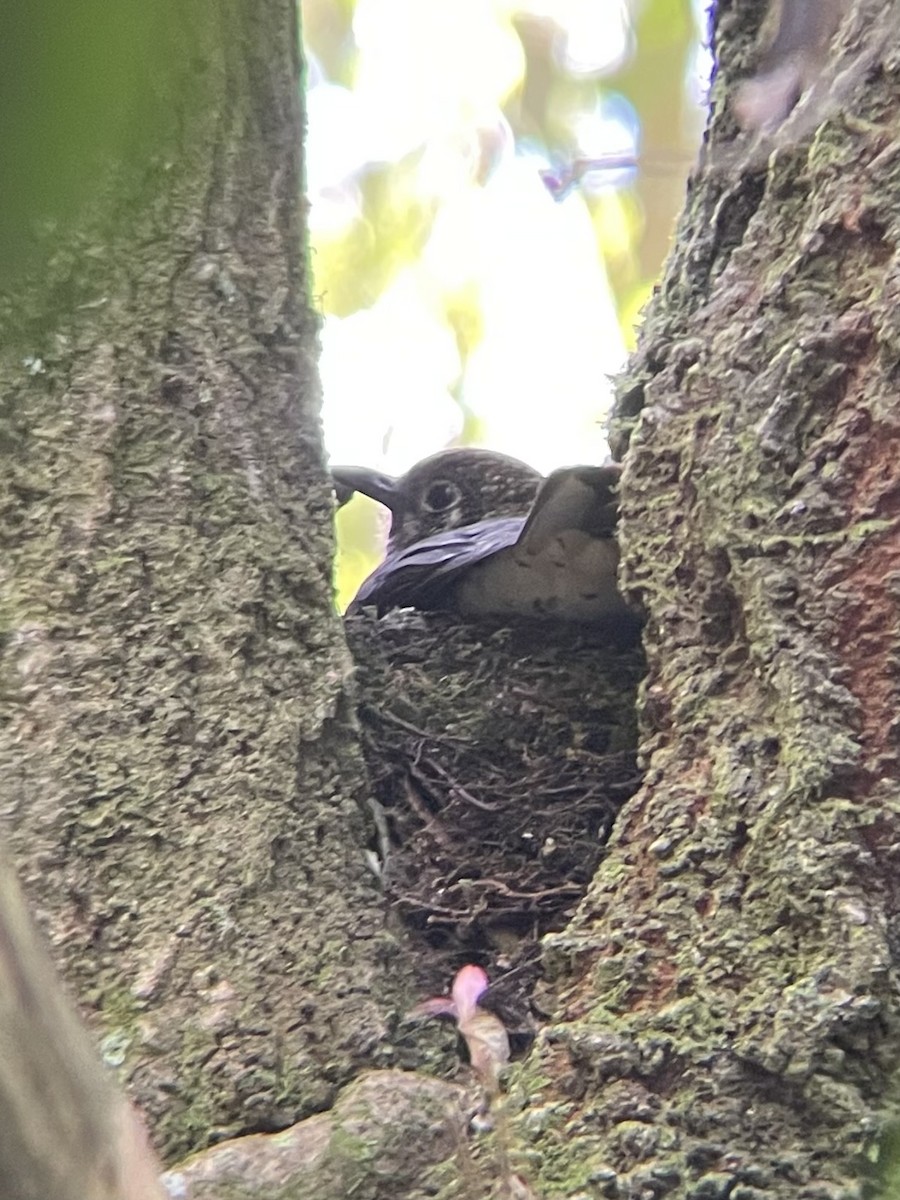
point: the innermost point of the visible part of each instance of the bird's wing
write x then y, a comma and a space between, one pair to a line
572, 498
425, 574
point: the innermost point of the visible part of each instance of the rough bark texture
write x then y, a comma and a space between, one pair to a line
725, 1003
727, 1018
178, 777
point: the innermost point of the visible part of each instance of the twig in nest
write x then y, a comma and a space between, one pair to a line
457, 790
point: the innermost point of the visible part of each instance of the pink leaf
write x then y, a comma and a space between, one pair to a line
485, 1035
470, 983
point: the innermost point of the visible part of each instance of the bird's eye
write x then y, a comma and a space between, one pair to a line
440, 496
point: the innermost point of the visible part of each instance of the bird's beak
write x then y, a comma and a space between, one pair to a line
348, 480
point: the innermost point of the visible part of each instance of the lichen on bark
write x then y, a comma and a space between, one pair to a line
180, 778
726, 1018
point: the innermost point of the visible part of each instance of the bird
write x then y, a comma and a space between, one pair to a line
481, 534
444, 491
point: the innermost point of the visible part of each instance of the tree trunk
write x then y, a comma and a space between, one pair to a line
180, 776
727, 1018
65, 1133
180, 771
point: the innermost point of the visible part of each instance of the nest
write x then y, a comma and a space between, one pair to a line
499, 758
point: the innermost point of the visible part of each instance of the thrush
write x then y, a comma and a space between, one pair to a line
444, 491
482, 534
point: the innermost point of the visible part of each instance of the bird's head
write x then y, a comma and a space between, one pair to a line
445, 491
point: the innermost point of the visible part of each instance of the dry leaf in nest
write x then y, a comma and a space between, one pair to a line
484, 1034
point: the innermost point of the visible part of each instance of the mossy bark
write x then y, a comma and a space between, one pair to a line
180, 779
727, 1017
180, 776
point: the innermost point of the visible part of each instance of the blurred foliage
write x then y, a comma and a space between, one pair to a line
543, 98
79, 88
416, 110
355, 267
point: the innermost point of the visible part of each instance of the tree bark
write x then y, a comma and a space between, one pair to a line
180, 775
727, 1019
180, 769
65, 1133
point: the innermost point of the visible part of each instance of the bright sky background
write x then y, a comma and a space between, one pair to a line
524, 363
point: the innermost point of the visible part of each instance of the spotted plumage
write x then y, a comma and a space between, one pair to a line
482, 534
